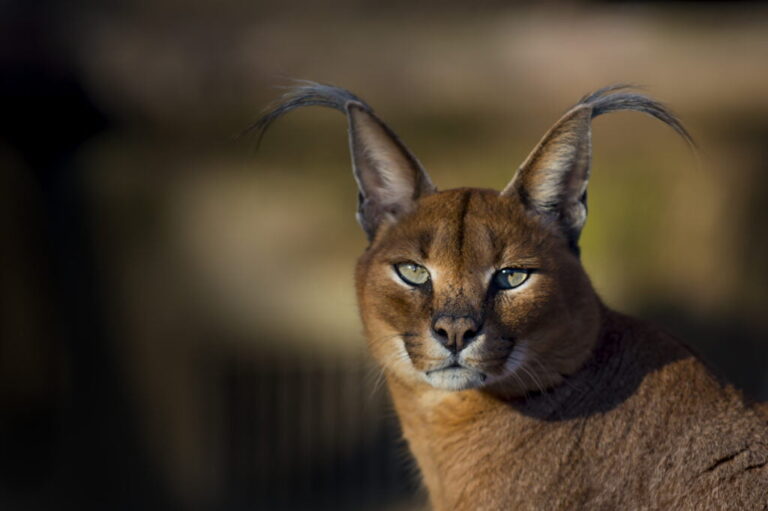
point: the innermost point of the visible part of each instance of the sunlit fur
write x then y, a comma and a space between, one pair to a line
463, 237
544, 399
559, 403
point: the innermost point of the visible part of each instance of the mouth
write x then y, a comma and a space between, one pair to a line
455, 377
451, 363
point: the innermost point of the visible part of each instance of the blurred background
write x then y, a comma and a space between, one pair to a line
178, 328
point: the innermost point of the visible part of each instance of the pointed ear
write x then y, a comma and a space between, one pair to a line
552, 181
389, 177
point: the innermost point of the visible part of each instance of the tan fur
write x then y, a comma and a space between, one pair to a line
537, 396
636, 423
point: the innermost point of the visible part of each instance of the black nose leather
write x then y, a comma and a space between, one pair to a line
455, 332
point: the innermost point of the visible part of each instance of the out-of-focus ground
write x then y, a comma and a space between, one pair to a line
178, 324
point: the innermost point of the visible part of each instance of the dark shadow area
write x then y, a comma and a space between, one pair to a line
731, 348
311, 436
74, 444
623, 357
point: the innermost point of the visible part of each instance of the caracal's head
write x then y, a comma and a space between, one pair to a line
468, 289
473, 288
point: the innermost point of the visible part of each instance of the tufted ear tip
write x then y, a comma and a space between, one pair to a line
356, 104
390, 179
552, 181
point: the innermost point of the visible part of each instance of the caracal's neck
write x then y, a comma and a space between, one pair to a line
455, 434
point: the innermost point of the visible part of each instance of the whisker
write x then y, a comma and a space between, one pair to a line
377, 384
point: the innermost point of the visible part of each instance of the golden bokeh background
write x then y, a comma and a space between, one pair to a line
178, 323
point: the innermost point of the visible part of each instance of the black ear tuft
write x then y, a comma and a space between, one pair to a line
607, 100
552, 181
304, 93
390, 179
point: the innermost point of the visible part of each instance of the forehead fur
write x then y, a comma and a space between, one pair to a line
475, 224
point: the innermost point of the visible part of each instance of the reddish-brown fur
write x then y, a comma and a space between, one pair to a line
639, 424
536, 396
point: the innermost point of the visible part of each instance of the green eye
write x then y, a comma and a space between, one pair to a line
510, 278
412, 273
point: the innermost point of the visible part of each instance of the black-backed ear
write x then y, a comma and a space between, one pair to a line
552, 182
389, 178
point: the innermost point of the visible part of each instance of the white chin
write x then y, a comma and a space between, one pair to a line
455, 378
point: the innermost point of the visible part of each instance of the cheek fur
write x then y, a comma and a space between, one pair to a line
402, 308
518, 313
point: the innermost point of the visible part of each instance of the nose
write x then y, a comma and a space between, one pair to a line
455, 332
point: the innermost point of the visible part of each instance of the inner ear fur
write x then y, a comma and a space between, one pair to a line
389, 178
552, 181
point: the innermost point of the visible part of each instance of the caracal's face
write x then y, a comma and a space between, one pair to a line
469, 290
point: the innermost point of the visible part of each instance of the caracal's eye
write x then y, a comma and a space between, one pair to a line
412, 273
510, 278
